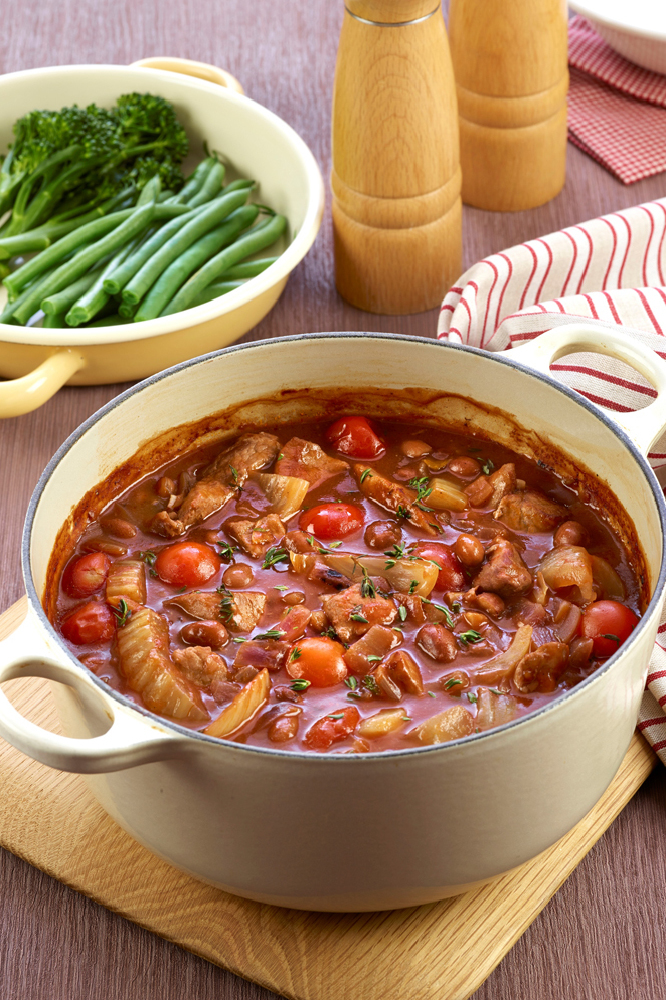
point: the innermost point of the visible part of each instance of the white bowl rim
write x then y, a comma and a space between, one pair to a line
593, 9
217, 308
387, 755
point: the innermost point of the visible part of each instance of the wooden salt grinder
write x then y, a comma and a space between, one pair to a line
396, 208
510, 61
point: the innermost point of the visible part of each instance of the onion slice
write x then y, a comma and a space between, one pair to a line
605, 576
285, 493
569, 566
444, 495
499, 667
244, 706
408, 576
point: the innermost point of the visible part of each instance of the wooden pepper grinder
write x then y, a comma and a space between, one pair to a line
396, 181
510, 61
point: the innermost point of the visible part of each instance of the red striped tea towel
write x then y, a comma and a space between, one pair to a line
616, 109
609, 271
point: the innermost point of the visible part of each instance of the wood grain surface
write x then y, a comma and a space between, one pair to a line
603, 935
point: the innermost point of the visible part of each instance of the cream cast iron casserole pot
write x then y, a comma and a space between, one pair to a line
274, 825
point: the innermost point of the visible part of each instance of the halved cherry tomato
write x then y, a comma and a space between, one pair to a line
609, 623
319, 660
187, 564
85, 575
91, 622
336, 726
451, 576
332, 520
355, 437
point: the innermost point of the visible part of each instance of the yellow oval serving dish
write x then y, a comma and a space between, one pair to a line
255, 142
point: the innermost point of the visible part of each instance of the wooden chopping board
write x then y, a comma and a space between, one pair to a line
442, 951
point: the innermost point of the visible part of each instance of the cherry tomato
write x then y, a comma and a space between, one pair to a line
450, 576
319, 660
355, 437
91, 622
332, 520
187, 564
338, 725
608, 623
85, 575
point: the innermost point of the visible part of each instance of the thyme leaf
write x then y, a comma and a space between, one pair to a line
273, 556
470, 636
367, 586
122, 612
149, 557
227, 551
272, 633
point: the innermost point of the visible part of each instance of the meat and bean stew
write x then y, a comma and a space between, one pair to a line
347, 588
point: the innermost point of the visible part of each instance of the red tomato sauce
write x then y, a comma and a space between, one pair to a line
264, 603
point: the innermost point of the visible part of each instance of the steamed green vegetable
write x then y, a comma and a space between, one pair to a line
98, 225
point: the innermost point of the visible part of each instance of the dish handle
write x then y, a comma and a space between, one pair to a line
644, 426
213, 74
127, 742
29, 392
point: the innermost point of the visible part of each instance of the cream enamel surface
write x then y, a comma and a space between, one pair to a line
636, 30
258, 823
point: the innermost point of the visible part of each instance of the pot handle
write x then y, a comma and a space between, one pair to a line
127, 743
644, 426
27, 393
213, 74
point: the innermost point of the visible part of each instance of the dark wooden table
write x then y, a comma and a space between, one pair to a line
604, 934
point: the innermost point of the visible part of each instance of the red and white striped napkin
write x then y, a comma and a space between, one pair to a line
609, 271
616, 110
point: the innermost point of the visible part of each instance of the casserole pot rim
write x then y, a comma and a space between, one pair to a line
300, 243
501, 358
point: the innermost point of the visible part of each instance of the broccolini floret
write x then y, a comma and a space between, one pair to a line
80, 157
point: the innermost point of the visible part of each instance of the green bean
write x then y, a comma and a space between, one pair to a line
118, 278
150, 191
195, 180
256, 239
108, 321
210, 187
249, 268
173, 277
6, 316
203, 221
60, 302
91, 231
5, 270
95, 297
54, 321
127, 311
12, 246
83, 261
216, 289
239, 185
169, 211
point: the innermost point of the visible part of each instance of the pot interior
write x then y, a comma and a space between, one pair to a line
215, 397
